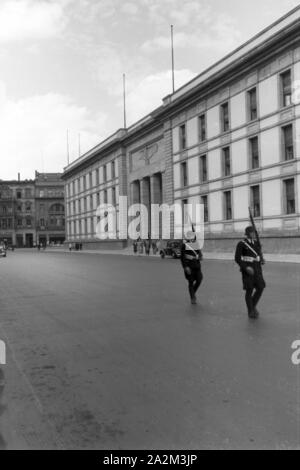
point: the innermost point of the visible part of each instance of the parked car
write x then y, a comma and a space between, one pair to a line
2, 251
172, 248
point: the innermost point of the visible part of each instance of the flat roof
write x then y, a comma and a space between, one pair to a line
251, 45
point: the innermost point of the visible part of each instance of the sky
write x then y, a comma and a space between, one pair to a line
62, 63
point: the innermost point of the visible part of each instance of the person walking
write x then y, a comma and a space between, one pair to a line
191, 257
249, 257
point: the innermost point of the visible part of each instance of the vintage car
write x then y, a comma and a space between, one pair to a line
172, 248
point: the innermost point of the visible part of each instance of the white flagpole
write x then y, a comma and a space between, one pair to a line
124, 99
172, 47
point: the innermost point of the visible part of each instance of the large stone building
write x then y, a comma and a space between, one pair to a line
229, 139
32, 211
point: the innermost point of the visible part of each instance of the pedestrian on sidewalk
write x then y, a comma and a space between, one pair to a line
249, 257
140, 246
191, 257
154, 247
147, 247
135, 247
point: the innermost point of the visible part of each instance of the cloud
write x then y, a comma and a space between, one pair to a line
219, 37
129, 8
33, 132
149, 92
30, 19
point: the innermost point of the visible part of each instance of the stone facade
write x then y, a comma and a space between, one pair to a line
21, 211
229, 139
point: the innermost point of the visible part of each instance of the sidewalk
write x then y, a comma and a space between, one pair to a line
273, 258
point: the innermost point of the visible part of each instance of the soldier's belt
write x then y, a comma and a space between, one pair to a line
249, 259
191, 258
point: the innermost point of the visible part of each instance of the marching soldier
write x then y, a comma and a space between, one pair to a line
191, 257
249, 257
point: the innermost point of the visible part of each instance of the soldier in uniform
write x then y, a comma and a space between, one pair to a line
191, 257
249, 258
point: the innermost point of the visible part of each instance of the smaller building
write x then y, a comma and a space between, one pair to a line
50, 208
32, 211
17, 213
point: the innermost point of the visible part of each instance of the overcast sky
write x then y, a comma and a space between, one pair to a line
61, 66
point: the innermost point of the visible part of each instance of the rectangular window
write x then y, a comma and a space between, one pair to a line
225, 117
97, 177
204, 201
113, 170
226, 161
227, 205
286, 88
182, 137
290, 200
84, 182
252, 104
91, 179
254, 153
184, 176
105, 196
202, 128
288, 142
84, 204
203, 169
104, 174
255, 200
92, 225
78, 185
91, 202
113, 196
98, 199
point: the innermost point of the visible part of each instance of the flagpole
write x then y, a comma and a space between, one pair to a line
68, 149
124, 99
172, 46
79, 149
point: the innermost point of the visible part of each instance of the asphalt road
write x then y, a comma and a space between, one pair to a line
106, 352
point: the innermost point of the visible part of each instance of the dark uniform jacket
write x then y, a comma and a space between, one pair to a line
191, 255
248, 253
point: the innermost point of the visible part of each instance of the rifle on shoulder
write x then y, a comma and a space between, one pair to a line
256, 235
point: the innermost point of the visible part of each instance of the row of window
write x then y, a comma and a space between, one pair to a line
288, 153
252, 110
81, 183
28, 207
51, 193
289, 201
82, 226
53, 222
82, 204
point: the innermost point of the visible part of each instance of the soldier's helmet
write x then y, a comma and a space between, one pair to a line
249, 230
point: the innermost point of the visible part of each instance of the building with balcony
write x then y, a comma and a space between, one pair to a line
17, 213
32, 211
49, 208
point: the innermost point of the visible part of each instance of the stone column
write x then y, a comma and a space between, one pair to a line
146, 201
157, 199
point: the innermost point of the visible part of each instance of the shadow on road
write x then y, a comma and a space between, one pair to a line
2, 408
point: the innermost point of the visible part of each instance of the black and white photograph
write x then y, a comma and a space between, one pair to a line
149, 228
